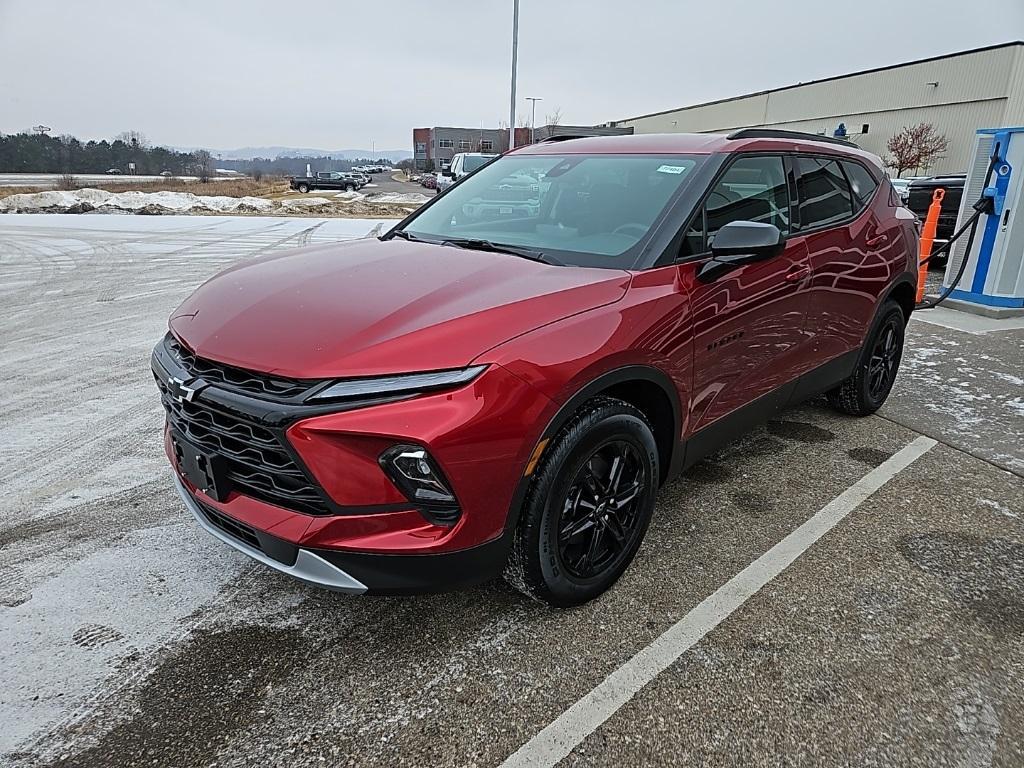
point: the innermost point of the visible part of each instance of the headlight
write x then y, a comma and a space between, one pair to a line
390, 385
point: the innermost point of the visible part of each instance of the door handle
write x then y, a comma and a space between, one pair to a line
797, 274
877, 240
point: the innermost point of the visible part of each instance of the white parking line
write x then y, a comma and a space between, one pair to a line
563, 735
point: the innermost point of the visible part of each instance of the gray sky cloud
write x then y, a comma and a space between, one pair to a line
336, 74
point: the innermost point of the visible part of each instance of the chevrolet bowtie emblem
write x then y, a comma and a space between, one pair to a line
180, 390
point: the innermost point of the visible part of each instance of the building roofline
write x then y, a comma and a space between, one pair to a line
823, 80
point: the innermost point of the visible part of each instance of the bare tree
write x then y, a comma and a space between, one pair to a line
503, 136
555, 118
915, 147
203, 164
134, 139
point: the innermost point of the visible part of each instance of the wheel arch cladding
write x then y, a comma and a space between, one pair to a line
904, 293
648, 389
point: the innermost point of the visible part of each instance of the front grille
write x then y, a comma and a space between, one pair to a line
257, 463
230, 526
238, 379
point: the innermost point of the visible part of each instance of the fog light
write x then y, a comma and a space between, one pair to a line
413, 470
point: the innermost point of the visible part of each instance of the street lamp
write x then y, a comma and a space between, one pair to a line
533, 118
515, 51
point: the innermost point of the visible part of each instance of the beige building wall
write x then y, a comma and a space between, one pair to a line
958, 93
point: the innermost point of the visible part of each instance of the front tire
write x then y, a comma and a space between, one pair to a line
869, 386
588, 507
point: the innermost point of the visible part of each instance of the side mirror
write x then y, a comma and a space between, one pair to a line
738, 243
449, 174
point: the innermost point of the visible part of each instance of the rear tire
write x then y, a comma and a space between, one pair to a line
869, 386
588, 507
303, 188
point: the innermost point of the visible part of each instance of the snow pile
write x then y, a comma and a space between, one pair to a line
415, 198
85, 200
305, 202
349, 196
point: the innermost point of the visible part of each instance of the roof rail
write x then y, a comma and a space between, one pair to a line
563, 137
773, 133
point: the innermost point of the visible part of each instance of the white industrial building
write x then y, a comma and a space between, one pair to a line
958, 93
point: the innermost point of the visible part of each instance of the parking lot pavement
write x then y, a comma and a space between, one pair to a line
128, 637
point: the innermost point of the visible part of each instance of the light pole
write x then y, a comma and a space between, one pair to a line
533, 117
515, 52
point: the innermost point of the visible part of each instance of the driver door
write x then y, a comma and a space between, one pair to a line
749, 322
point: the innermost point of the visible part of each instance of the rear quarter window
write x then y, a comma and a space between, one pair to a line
862, 183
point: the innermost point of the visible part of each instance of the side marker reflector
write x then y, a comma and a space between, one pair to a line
535, 456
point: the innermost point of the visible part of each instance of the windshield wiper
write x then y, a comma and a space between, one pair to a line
405, 235
475, 244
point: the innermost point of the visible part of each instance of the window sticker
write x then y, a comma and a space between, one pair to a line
672, 169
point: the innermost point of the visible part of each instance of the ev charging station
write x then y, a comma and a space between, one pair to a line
993, 278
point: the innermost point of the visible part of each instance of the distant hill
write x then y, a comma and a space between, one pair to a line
248, 153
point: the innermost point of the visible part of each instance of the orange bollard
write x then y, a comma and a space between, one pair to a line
931, 222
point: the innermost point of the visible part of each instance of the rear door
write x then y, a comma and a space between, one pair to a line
849, 248
748, 323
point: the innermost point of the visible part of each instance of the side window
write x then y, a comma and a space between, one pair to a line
752, 189
825, 196
862, 183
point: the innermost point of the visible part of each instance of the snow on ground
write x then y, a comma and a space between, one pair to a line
415, 198
83, 200
100, 201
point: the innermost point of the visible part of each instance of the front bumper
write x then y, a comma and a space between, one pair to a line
353, 572
307, 566
357, 532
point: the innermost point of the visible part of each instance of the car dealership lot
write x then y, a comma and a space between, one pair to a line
128, 636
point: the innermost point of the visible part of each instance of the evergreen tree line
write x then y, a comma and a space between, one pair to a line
40, 153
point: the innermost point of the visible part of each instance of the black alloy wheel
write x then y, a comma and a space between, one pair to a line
872, 380
884, 360
589, 502
600, 513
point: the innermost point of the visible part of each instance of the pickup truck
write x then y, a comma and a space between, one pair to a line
327, 180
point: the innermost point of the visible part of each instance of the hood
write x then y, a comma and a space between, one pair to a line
371, 307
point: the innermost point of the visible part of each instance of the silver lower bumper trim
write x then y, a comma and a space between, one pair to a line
309, 567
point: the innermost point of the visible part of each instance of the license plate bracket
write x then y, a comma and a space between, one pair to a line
206, 471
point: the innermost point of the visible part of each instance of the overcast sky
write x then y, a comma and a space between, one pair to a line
339, 74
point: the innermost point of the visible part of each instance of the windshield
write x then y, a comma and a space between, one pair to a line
584, 210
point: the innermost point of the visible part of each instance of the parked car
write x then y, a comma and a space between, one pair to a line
461, 165
326, 180
475, 393
166, 174
113, 172
919, 199
429, 180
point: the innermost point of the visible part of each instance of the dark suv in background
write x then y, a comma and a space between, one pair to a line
502, 389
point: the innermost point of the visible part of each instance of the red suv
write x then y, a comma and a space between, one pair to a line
501, 383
